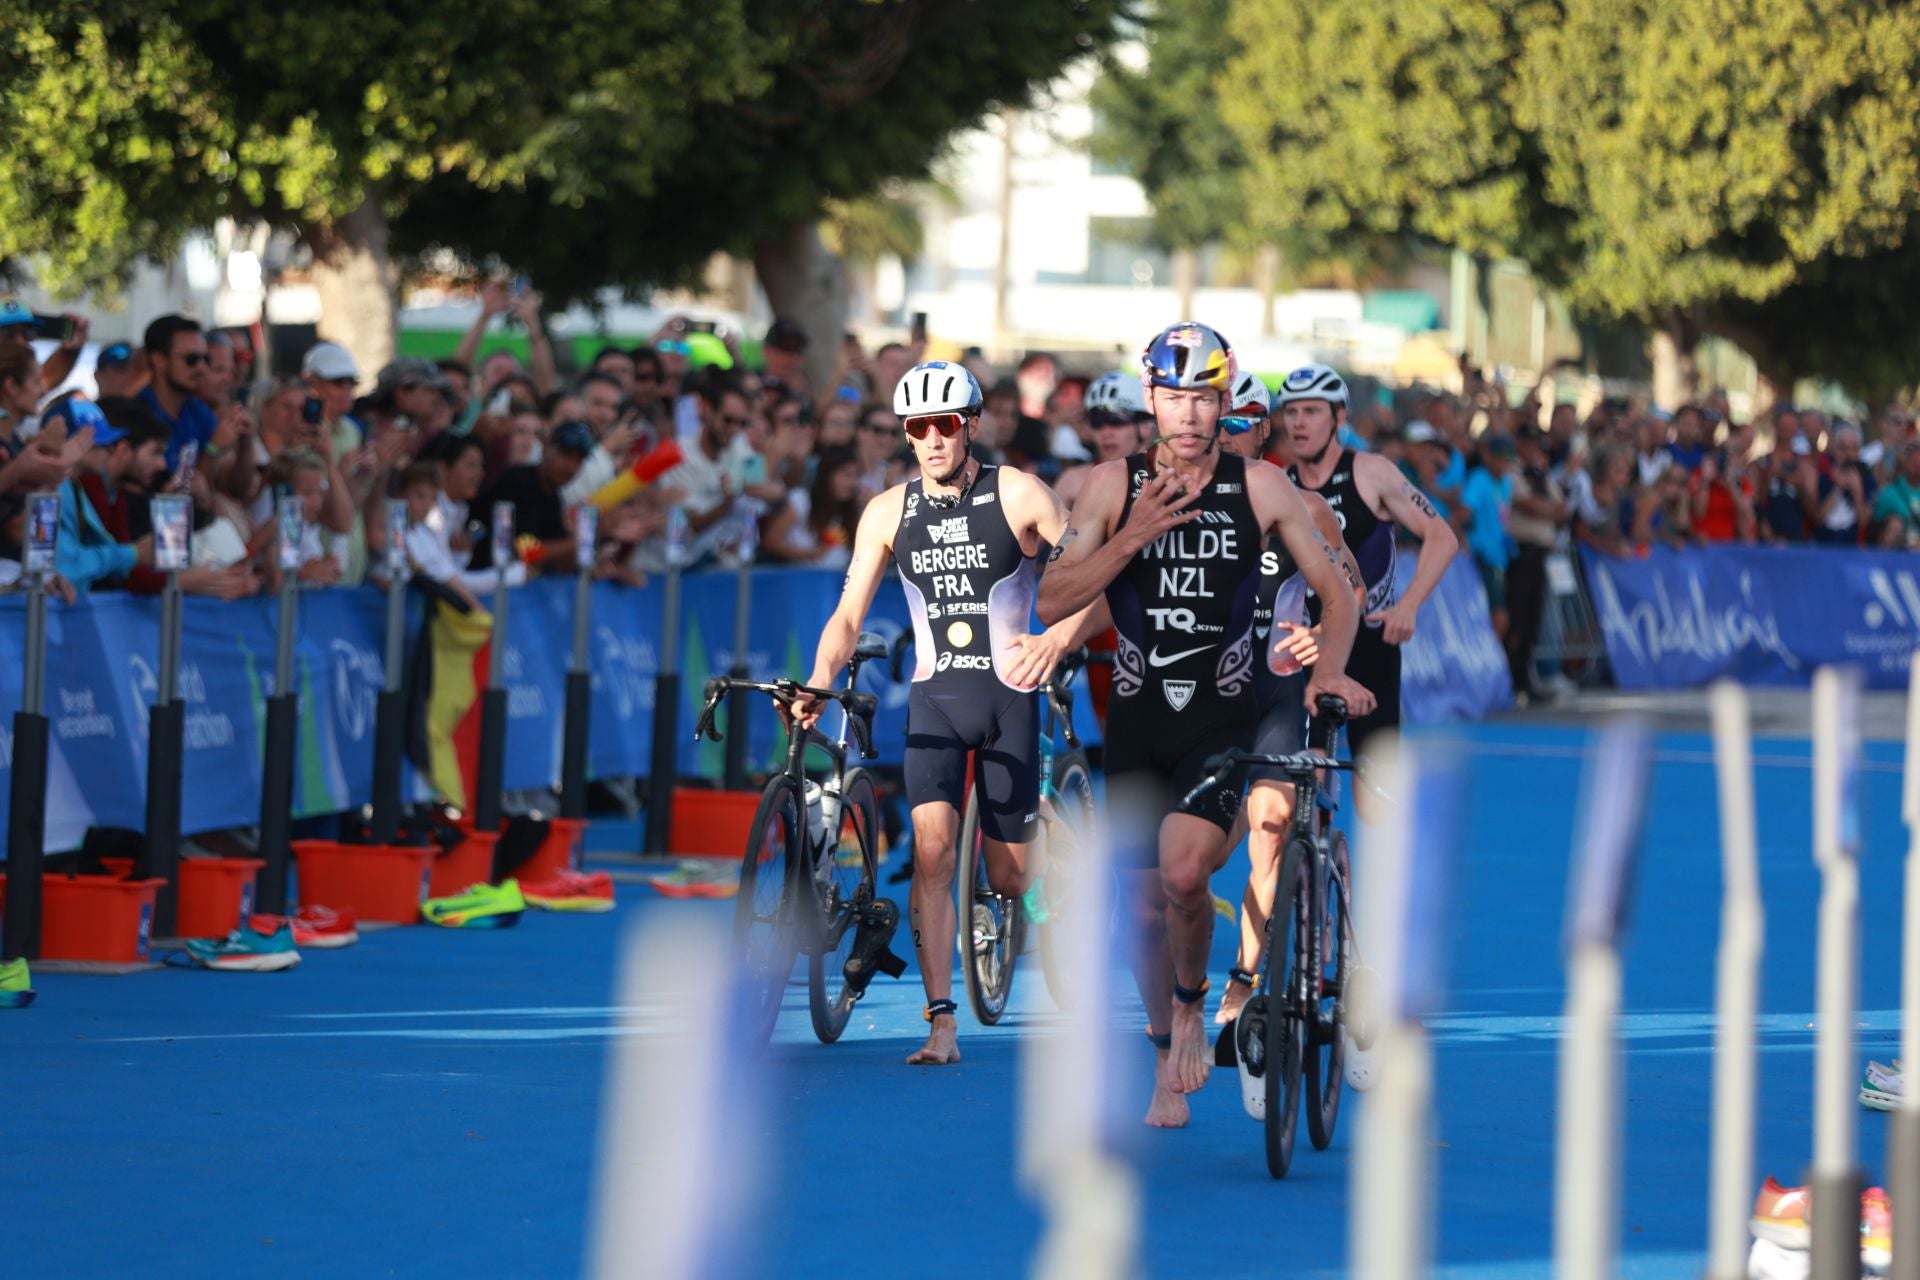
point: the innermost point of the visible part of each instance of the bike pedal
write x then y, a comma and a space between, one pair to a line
870, 953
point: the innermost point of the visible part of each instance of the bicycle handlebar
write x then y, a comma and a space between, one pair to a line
1299, 764
858, 706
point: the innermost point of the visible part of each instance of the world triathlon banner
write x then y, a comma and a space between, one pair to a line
102, 655
1762, 615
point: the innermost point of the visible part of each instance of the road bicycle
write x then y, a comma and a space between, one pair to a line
807, 875
1290, 1032
993, 929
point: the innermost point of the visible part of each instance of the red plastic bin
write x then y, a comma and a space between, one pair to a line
216, 894
560, 851
98, 918
379, 881
466, 864
711, 824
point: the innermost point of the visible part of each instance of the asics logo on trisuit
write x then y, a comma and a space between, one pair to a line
1157, 659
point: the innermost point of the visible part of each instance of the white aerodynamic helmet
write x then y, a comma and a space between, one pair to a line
1313, 382
938, 386
1249, 389
1116, 393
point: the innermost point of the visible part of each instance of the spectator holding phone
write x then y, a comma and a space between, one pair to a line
19, 325
1845, 490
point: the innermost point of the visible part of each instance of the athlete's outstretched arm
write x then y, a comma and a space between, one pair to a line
872, 553
1036, 511
1282, 511
1438, 543
1092, 551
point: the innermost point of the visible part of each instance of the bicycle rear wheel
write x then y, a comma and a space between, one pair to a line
765, 924
990, 926
1067, 839
1286, 971
845, 882
1326, 1055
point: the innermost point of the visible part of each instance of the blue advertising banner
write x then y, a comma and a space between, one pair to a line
1763, 615
101, 680
1454, 668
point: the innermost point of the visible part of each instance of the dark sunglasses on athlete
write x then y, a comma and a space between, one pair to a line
1235, 425
947, 424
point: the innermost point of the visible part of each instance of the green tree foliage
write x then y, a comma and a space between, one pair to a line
852, 95
590, 142
1650, 158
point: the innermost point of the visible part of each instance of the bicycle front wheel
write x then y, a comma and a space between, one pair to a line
990, 925
845, 880
1286, 1028
1326, 1056
1068, 837
765, 918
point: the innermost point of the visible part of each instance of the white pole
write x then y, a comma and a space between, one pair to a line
1390, 1181
1586, 1158
1586, 1220
1742, 939
673, 1170
1091, 1200
1835, 1182
1904, 1151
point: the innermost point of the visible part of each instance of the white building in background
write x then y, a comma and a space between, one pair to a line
1081, 272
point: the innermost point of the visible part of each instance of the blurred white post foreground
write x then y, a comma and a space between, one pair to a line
1834, 1186
1586, 1223
1742, 940
1388, 1209
1904, 1151
1090, 1198
671, 1169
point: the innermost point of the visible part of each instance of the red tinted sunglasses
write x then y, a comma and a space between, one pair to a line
947, 424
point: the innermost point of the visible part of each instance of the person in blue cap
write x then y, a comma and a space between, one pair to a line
19, 325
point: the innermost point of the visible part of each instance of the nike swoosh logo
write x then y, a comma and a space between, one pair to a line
1157, 659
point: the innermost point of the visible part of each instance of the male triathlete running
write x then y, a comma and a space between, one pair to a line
1368, 494
1279, 684
1117, 413
1172, 537
968, 539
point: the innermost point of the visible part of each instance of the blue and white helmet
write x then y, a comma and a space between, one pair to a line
1313, 382
1248, 389
1117, 393
938, 386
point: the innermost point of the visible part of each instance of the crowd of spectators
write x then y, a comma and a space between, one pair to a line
777, 470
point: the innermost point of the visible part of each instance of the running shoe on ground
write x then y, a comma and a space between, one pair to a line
248, 949
16, 985
571, 891
480, 906
1881, 1087
321, 928
1769, 1261
1780, 1216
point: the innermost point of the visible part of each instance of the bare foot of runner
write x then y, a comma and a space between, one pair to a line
942, 1045
1232, 1000
1168, 1110
1190, 1061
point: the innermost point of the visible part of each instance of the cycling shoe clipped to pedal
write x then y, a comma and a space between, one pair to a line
1250, 1041
871, 954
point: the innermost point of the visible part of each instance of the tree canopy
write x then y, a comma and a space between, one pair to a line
1653, 160
588, 143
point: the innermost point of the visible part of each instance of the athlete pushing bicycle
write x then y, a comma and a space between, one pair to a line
967, 538
1173, 537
